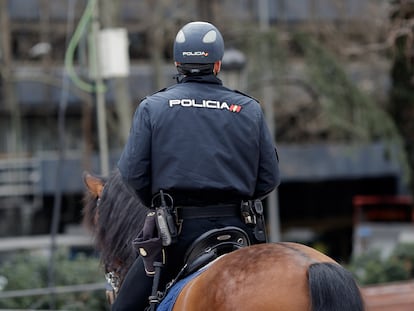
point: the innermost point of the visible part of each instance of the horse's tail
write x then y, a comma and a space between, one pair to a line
333, 288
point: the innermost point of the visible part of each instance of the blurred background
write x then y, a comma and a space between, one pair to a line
335, 80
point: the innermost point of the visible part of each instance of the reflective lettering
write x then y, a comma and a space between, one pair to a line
224, 106
197, 53
173, 102
187, 102
198, 105
211, 103
205, 103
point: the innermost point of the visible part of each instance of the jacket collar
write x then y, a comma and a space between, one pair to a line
202, 79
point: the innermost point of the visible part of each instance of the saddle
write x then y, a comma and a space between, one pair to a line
212, 245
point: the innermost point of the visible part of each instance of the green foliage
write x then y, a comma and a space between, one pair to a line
401, 105
405, 251
352, 114
267, 57
30, 271
370, 268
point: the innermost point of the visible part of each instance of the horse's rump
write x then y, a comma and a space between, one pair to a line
276, 277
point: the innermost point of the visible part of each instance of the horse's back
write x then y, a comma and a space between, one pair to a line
260, 277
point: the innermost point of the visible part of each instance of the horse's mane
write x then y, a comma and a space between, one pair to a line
120, 218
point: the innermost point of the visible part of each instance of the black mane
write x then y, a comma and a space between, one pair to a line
120, 218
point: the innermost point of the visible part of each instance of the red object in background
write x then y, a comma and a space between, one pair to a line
380, 208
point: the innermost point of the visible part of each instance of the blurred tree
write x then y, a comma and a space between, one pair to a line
402, 73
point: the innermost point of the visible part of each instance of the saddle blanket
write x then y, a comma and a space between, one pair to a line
168, 302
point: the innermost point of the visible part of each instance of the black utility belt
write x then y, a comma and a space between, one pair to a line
169, 217
208, 211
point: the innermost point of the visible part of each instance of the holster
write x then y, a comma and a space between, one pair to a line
148, 244
159, 230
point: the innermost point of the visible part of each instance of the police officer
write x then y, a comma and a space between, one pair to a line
203, 144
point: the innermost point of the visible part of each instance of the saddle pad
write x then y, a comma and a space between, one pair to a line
168, 302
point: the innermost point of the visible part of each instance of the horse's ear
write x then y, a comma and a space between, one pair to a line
94, 183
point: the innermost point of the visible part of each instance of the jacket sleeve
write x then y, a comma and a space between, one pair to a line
268, 176
135, 161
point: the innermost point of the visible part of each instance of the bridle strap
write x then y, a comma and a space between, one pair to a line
113, 284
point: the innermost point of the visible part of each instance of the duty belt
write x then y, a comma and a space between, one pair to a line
208, 211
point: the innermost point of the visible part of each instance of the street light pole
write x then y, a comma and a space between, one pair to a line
100, 96
6, 74
109, 20
272, 199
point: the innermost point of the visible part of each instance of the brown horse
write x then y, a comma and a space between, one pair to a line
273, 276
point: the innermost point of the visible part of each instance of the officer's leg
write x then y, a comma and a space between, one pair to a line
135, 290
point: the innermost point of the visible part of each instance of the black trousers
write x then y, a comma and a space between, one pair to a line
134, 292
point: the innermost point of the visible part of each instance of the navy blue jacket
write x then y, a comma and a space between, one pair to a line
201, 143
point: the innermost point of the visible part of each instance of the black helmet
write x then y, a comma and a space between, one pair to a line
198, 43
